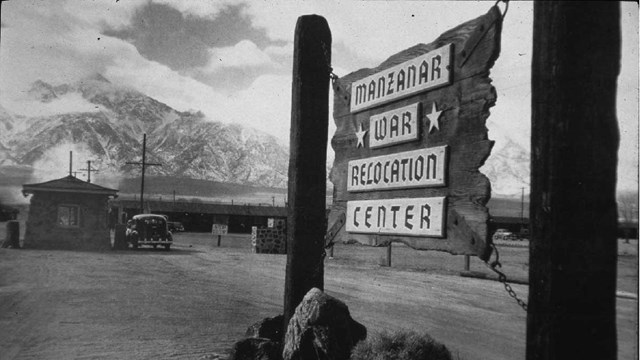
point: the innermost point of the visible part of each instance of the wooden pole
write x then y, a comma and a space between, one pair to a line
89, 170
144, 164
467, 263
574, 144
144, 155
306, 221
389, 255
219, 239
12, 235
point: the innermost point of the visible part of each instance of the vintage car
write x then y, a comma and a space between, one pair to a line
149, 229
504, 234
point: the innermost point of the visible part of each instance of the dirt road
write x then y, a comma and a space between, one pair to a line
198, 299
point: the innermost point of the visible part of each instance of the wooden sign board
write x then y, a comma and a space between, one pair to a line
219, 229
403, 216
410, 137
408, 169
395, 126
418, 74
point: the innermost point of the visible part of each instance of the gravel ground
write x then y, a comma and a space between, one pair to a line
198, 299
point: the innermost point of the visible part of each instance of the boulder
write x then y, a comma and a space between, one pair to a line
321, 328
255, 349
269, 328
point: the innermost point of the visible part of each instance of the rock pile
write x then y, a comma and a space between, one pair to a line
270, 240
321, 328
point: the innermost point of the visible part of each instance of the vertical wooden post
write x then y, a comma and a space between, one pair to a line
574, 143
389, 254
219, 238
144, 155
306, 221
467, 263
144, 164
12, 234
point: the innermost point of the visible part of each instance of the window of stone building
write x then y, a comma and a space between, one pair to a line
68, 216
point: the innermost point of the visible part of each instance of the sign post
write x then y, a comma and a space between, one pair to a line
410, 137
219, 230
306, 224
573, 248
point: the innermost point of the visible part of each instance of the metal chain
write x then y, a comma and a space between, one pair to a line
503, 278
320, 264
506, 7
325, 52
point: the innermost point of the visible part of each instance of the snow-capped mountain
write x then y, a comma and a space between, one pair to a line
110, 128
107, 123
508, 166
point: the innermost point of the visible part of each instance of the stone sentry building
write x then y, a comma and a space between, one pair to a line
68, 213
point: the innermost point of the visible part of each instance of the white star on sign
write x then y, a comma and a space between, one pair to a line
434, 118
360, 134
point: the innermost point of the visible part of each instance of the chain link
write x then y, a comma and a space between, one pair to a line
320, 265
503, 278
325, 52
506, 7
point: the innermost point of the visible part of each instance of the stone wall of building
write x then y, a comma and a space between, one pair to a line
270, 240
44, 232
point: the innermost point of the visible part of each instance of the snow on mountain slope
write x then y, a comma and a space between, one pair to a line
185, 143
108, 130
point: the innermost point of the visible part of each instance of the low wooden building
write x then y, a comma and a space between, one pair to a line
200, 216
68, 213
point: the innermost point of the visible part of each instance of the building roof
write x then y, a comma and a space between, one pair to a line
68, 184
206, 208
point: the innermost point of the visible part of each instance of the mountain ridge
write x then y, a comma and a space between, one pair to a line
186, 143
109, 126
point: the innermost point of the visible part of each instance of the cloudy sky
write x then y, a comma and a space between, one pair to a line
232, 59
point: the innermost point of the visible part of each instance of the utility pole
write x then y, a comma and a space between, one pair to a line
522, 211
306, 220
144, 164
70, 163
574, 149
89, 170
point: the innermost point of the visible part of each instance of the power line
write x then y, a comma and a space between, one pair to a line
144, 164
89, 170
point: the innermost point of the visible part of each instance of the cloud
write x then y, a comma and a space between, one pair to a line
30, 47
103, 13
270, 99
61, 105
198, 8
39, 34
264, 105
284, 50
366, 27
43, 36
55, 162
241, 55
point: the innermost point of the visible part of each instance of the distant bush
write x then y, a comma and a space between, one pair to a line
402, 345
